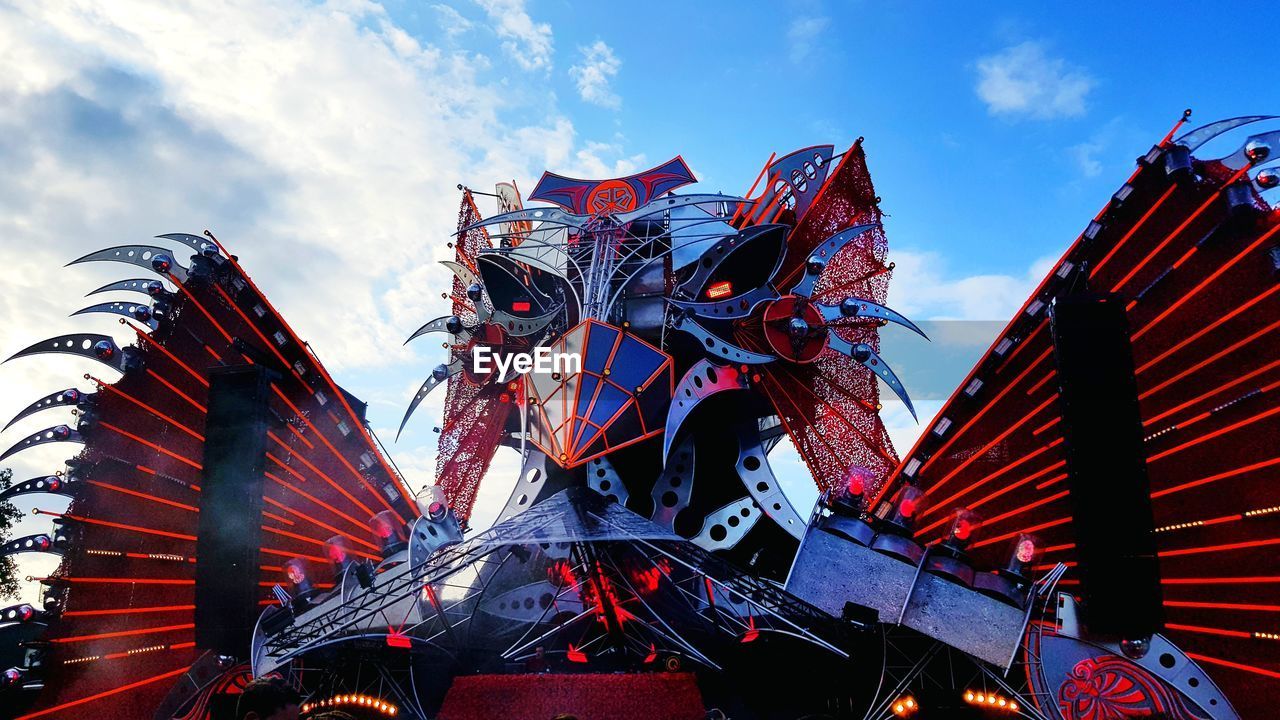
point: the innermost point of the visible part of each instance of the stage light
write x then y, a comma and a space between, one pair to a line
296, 570
963, 524
1026, 550
906, 506
720, 290
990, 701
389, 532
905, 706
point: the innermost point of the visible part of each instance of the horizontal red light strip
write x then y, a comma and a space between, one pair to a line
985, 407
151, 342
128, 611
107, 693
125, 633
1208, 630
315, 500
1220, 354
1141, 221
318, 523
119, 393
118, 526
1220, 606
1178, 230
122, 581
1227, 663
150, 444
1242, 580
1206, 282
1220, 431
310, 466
144, 496
1215, 548
1215, 478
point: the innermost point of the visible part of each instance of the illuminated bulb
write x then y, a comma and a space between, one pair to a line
968, 696
1013, 706
991, 699
1001, 702
899, 708
981, 698
910, 703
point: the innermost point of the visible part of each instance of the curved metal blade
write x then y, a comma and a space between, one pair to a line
138, 285
722, 250
864, 309
602, 478
71, 397
822, 255
719, 348
137, 255
440, 324
703, 380
548, 215
454, 368
875, 363
202, 246
743, 510
522, 326
1201, 135
129, 310
40, 542
1239, 159
57, 433
674, 486
729, 308
81, 344
674, 201
51, 484
468, 279
760, 482
533, 255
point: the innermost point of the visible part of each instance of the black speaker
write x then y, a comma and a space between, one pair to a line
1106, 467
230, 528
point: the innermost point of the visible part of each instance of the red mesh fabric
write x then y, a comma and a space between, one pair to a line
474, 415
647, 696
830, 407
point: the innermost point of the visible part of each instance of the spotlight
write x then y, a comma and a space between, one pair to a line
905, 706
389, 532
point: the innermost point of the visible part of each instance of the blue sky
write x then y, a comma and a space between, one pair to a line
322, 143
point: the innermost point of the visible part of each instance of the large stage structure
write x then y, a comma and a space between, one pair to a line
1085, 531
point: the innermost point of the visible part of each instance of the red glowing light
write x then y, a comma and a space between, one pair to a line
520, 306
908, 507
296, 573
1026, 551
720, 290
576, 655
399, 640
963, 529
653, 654
337, 554
752, 633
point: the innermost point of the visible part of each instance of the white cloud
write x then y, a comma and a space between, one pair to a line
452, 21
803, 35
1025, 81
594, 72
322, 144
529, 43
923, 289
1085, 156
